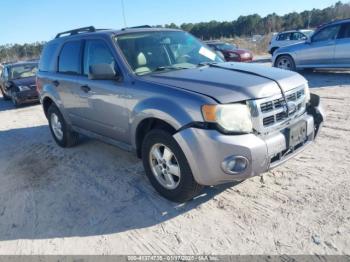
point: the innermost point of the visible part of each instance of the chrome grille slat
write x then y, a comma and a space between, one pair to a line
270, 112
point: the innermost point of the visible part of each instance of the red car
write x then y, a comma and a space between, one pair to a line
231, 52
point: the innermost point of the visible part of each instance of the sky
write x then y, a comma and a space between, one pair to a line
40, 20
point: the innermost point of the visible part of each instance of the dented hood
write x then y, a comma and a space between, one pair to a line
230, 82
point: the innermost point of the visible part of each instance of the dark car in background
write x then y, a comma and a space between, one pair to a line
231, 52
17, 82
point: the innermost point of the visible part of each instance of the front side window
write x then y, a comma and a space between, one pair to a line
298, 36
284, 37
22, 71
345, 31
69, 59
149, 52
326, 34
97, 52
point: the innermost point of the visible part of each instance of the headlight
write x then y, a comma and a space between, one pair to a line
23, 88
307, 92
231, 117
245, 55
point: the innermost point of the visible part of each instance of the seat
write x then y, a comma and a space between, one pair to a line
141, 61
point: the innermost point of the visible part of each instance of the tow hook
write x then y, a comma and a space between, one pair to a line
315, 109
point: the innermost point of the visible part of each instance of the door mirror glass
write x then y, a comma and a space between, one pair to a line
102, 72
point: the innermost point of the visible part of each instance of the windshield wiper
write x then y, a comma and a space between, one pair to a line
206, 64
163, 68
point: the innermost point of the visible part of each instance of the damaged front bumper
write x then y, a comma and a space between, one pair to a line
216, 158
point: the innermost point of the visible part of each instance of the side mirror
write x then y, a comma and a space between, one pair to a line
102, 72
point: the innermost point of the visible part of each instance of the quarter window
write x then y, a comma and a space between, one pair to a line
69, 60
96, 52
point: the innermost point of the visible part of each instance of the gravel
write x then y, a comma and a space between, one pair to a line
95, 198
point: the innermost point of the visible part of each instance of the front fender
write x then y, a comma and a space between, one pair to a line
161, 108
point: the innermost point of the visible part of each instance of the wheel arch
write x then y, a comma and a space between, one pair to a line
283, 54
158, 112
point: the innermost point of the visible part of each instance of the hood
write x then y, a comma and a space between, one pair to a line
226, 85
27, 81
293, 47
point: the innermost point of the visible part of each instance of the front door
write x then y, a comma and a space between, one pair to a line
320, 51
342, 47
105, 112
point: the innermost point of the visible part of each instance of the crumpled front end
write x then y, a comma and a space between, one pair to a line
216, 158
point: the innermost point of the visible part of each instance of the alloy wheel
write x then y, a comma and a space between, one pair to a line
165, 166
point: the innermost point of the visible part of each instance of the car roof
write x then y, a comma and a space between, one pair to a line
115, 32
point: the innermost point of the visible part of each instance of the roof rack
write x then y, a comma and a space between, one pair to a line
77, 31
333, 21
136, 27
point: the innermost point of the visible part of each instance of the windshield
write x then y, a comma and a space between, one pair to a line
23, 71
148, 52
226, 47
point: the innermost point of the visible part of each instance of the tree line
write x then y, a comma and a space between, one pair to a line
244, 26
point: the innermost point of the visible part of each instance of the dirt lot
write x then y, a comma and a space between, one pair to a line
95, 199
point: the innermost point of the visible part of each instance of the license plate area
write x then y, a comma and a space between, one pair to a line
296, 134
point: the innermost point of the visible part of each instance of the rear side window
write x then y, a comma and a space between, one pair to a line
345, 31
97, 52
69, 60
46, 63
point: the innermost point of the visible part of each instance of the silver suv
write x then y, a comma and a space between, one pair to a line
329, 47
161, 93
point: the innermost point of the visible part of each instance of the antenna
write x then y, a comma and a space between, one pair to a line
123, 11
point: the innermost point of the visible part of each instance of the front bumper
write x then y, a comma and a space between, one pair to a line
27, 96
207, 149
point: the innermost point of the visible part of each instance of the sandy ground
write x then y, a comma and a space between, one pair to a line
95, 198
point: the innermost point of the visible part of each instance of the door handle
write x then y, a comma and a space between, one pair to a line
85, 88
56, 83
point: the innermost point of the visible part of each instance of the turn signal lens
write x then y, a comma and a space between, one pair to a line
209, 113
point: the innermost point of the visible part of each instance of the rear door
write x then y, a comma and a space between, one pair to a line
342, 47
320, 51
67, 81
104, 111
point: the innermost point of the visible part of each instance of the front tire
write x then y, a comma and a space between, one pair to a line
59, 129
14, 100
4, 96
285, 62
167, 168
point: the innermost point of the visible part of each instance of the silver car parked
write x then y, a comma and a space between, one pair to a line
329, 47
193, 119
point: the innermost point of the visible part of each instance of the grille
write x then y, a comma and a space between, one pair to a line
270, 112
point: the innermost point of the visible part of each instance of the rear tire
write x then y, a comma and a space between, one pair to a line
63, 136
285, 62
182, 186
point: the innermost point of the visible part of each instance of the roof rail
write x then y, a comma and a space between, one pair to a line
333, 21
136, 27
77, 31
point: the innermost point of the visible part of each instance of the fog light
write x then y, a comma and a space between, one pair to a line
234, 165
